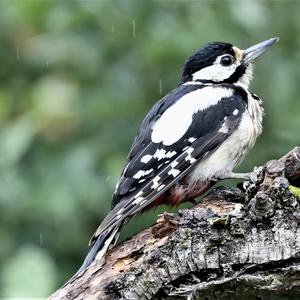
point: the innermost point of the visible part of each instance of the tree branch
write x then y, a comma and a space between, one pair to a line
236, 244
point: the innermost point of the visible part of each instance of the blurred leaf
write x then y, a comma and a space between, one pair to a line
15, 138
30, 273
54, 106
76, 80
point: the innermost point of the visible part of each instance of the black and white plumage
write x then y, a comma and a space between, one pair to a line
191, 138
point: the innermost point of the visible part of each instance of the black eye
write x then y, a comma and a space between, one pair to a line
227, 60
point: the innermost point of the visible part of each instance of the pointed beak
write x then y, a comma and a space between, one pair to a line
250, 54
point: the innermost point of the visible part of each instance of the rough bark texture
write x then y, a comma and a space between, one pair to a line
239, 243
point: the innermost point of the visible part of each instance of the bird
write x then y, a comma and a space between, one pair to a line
190, 139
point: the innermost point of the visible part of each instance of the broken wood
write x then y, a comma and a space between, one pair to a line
239, 243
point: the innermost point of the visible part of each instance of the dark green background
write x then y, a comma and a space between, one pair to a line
76, 79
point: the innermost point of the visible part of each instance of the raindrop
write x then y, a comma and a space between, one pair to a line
112, 28
160, 86
47, 63
41, 239
133, 29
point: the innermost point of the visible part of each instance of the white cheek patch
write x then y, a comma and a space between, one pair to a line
215, 72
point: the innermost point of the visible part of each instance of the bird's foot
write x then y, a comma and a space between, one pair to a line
252, 176
238, 176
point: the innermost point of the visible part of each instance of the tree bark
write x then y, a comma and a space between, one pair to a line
239, 243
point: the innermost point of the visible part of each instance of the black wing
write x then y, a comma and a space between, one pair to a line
142, 145
142, 182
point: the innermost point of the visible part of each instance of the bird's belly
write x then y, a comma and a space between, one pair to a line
222, 161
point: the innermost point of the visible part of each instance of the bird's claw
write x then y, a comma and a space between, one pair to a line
253, 177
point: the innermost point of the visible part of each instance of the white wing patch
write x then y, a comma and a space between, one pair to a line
174, 172
235, 112
161, 187
174, 163
141, 173
146, 158
189, 157
192, 140
140, 193
176, 120
155, 181
139, 200
170, 154
224, 128
160, 154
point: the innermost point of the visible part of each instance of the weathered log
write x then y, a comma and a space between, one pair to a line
239, 243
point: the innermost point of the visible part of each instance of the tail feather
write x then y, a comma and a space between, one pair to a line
102, 244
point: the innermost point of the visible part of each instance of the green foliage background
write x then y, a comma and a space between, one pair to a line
76, 79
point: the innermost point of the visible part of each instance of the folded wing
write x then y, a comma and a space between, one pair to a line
174, 137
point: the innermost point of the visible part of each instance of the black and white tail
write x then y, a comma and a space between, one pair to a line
99, 248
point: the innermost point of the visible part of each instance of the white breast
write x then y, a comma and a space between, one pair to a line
233, 150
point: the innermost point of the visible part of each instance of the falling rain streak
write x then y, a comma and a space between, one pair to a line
160, 86
112, 28
41, 239
133, 29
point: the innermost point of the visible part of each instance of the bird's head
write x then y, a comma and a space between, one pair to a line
220, 62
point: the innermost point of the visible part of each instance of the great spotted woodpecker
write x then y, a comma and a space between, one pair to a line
191, 138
